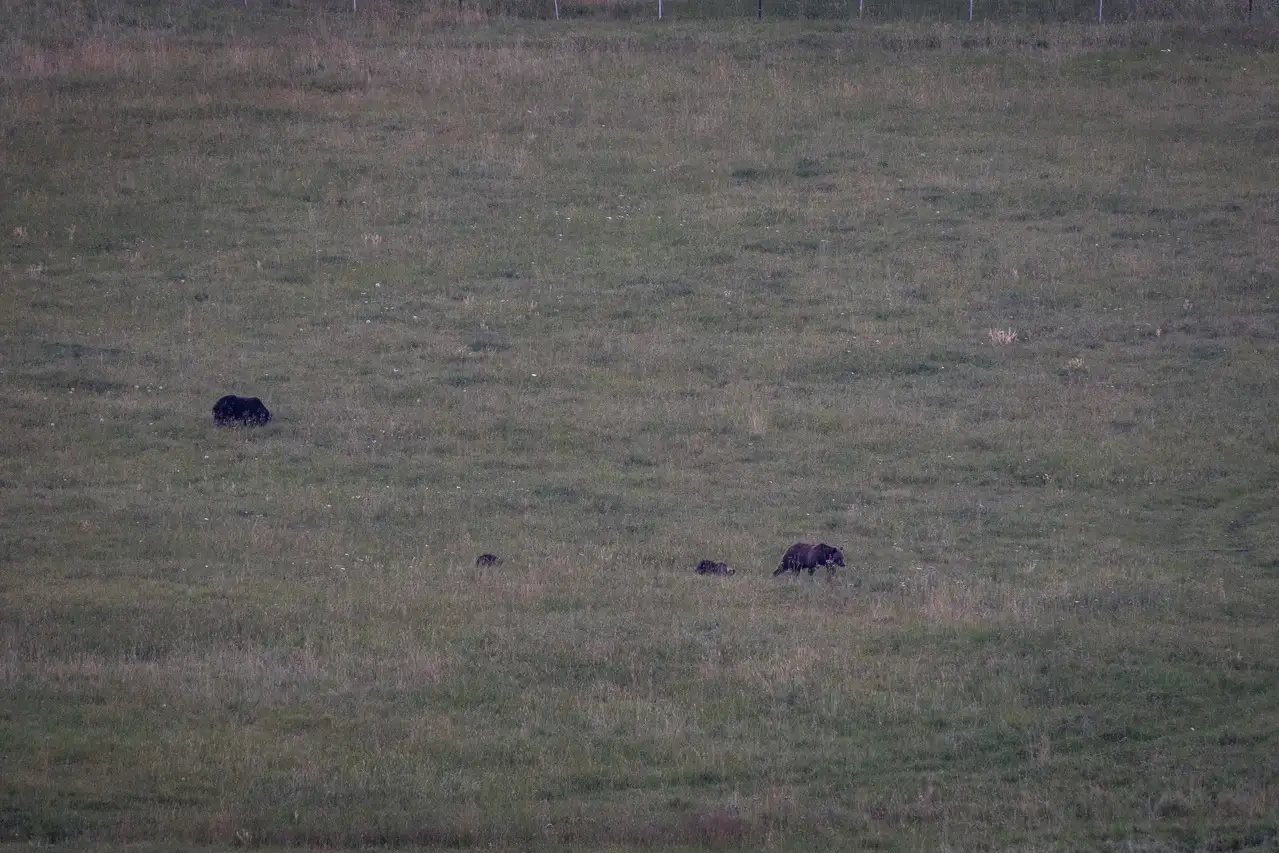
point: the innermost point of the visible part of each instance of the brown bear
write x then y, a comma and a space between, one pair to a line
231, 411
488, 560
710, 567
802, 556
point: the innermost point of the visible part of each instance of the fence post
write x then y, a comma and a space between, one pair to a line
1099, 2
760, 13
970, 11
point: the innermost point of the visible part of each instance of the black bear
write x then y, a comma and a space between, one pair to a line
488, 560
710, 567
233, 411
802, 556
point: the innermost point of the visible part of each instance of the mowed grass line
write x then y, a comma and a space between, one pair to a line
609, 300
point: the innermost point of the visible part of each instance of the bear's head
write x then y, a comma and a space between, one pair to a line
825, 555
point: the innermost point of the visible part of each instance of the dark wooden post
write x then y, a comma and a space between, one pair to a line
760, 13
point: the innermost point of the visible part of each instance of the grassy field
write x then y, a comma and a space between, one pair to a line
993, 308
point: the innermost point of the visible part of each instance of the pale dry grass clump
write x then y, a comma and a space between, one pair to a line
1001, 337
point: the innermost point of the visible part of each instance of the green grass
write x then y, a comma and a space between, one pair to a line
607, 299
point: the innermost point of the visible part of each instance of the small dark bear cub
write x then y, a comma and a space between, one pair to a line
487, 560
710, 567
802, 556
232, 411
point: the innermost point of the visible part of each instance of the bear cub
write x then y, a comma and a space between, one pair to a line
233, 411
710, 567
